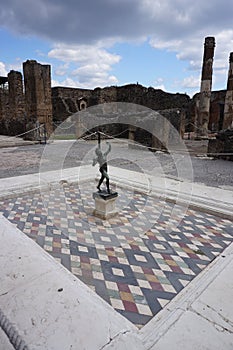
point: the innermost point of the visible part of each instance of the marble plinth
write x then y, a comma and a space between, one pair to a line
105, 204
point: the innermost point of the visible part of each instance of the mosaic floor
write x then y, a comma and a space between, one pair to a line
132, 261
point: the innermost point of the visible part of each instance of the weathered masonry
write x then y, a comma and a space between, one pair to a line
211, 111
203, 107
38, 102
67, 101
24, 105
28, 102
12, 104
228, 105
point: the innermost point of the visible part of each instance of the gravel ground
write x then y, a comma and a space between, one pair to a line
22, 160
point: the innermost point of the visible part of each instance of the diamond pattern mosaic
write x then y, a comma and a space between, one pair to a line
132, 260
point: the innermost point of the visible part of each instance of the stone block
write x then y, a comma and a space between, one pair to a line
105, 204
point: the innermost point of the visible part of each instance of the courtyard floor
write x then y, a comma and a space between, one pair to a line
132, 261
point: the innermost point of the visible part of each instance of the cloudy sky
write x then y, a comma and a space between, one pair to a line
91, 43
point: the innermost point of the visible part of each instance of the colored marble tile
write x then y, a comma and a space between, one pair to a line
131, 260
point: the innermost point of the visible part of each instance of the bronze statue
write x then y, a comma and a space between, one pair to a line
102, 160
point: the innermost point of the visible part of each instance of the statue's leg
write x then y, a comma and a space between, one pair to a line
101, 179
100, 182
107, 184
105, 174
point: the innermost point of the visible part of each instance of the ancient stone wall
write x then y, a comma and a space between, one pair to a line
22, 109
222, 145
12, 106
65, 99
4, 111
16, 123
37, 82
216, 117
169, 128
216, 112
228, 106
172, 106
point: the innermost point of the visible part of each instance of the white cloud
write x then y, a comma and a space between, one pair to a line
159, 84
5, 68
191, 82
86, 29
61, 70
83, 53
3, 71
91, 65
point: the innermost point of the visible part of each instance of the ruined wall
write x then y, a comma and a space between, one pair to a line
65, 99
37, 82
228, 106
216, 118
16, 123
4, 110
222, 146
172, 106
155, 99
12, 106
169, 129
216, 111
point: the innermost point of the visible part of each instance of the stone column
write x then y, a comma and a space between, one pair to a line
16, 96
38, 96
228, 107
4, 105
206, 86
16, 122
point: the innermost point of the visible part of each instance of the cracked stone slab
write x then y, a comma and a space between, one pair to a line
214, 317
193, 332
213, 303
17, 249
124, 341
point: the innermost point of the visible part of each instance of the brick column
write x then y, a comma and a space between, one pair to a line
203, 107
38, 96
228, 107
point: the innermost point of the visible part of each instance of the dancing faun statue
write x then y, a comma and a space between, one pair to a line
101, 158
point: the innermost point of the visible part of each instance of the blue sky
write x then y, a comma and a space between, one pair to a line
156, 43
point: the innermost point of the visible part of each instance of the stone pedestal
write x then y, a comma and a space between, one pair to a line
105, 204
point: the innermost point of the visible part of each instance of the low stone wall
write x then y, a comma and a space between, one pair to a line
222, 146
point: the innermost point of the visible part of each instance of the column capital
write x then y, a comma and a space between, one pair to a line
209, 41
